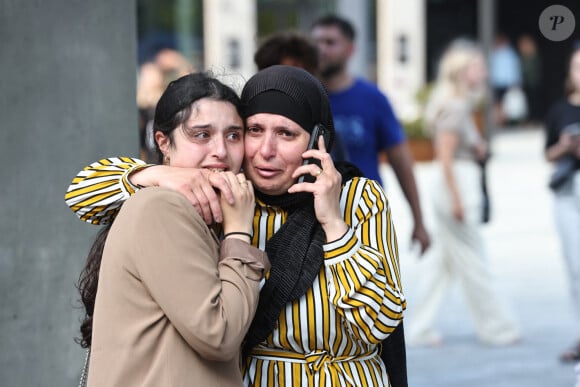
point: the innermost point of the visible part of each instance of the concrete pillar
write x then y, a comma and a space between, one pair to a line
68, 71
485, 32
357, 12
401, 52
229, 35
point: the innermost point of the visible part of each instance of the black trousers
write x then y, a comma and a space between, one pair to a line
394, 355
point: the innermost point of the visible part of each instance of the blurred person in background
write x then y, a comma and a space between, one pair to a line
152, 79
505, 74
363, 115
287, 48
150, 86
531, 69
173, 64
457, 198
563, 149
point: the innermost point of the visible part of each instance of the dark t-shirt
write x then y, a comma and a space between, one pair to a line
560, 116
366, 123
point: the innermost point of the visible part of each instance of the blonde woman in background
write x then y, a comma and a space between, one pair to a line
457, 197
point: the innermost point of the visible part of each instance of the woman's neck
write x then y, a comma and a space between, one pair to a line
574, 98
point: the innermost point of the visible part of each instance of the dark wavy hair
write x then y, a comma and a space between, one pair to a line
294, 45
87, 285
172, 110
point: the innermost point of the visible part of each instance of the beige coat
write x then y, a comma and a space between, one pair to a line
172, 305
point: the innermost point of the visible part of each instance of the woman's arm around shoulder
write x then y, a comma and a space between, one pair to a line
97, 192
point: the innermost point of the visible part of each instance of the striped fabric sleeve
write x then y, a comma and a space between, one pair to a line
363, 266
98, 191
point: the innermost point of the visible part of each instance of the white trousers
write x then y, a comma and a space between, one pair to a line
567, 212
461, 256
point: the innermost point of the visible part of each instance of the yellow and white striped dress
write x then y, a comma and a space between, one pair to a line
331, 335
97, 192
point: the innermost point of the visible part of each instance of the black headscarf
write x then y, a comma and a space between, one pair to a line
290, 92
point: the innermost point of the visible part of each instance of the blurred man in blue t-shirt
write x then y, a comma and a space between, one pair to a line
363, 115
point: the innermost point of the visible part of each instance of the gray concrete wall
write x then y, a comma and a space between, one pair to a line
67, 97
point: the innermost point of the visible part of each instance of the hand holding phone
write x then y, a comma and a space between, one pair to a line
319, 130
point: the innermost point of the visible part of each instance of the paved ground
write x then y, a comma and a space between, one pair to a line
525, 257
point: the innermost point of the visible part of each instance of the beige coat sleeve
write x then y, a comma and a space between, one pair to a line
209, 299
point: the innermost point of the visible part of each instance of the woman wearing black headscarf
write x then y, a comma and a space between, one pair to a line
333, 292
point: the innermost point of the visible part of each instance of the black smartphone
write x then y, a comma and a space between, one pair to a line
319, 130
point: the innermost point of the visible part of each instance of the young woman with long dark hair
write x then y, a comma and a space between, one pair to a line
168, 299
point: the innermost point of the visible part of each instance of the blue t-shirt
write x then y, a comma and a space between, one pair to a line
366, 123
504, 67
